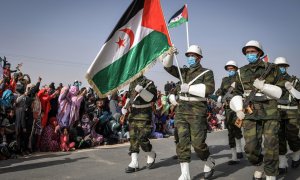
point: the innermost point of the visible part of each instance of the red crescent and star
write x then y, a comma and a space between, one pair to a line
130, 34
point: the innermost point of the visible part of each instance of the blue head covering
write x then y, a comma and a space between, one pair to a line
7, 97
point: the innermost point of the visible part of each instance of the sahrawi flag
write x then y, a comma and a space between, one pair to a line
265, 58
137, 40
179, 17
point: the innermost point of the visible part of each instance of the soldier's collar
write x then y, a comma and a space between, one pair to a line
256, 65
198, 65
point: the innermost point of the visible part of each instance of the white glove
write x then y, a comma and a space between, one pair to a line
240, 115
233, 85
288, 85
259, 84
174, 50
138, 88
184, 88
124, 111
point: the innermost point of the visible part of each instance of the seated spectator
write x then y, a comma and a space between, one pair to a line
97, 139
88, 128
8, 135
65, 144
50, 136
77, 135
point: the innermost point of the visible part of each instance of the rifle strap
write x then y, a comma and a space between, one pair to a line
294, 83
239, 72
191, 82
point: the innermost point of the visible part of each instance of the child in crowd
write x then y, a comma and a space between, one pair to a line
65, 144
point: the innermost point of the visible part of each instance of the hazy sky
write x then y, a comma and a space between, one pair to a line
59, 39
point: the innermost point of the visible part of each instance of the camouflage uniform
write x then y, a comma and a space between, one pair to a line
191, 115
263, 120
140, 118
233, 131
288, 109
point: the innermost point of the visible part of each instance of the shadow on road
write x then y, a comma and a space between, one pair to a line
25, 167
171, 161
8, 162
165, 162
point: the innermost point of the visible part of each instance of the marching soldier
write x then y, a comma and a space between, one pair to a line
198, 83
225, 95
143, 94
255, 81
288, 110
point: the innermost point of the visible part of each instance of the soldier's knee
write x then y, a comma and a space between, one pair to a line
146, 147
202, 151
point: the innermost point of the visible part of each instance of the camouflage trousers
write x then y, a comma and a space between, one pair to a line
233, 131
139, 131
253, 132
288, 132
192, 130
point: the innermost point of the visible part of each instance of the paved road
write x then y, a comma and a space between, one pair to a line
109, 162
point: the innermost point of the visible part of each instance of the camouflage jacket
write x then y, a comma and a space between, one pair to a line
225, 86
188, 74
286, 98
262, 109
141, 113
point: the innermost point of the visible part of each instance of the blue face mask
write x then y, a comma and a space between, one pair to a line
231, 73
282, 70
252, 58
191, 60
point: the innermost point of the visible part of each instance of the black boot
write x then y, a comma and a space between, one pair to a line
150, 165
295, 164
210, 163
208, 175
131, 170
282, 171
239, 155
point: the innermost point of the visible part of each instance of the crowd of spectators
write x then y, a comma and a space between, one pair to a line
36, 118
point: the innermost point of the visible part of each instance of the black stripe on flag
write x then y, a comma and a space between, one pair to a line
131, 11
176, 14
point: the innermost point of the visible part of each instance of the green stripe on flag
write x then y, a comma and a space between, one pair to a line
177, 23
131, 63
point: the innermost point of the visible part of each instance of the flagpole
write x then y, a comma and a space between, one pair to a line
187, 32
180, 75
176, 61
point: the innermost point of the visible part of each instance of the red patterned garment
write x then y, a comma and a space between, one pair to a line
49, 139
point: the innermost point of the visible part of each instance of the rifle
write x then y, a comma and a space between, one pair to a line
228, 95
247, 103
129, 103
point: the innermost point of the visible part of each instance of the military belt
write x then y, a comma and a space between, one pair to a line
191, 98
247, 93
259, 97
141, 106
287, 107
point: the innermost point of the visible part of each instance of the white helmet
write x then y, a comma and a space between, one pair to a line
281, 61
255, 44
231, 63
194, 49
